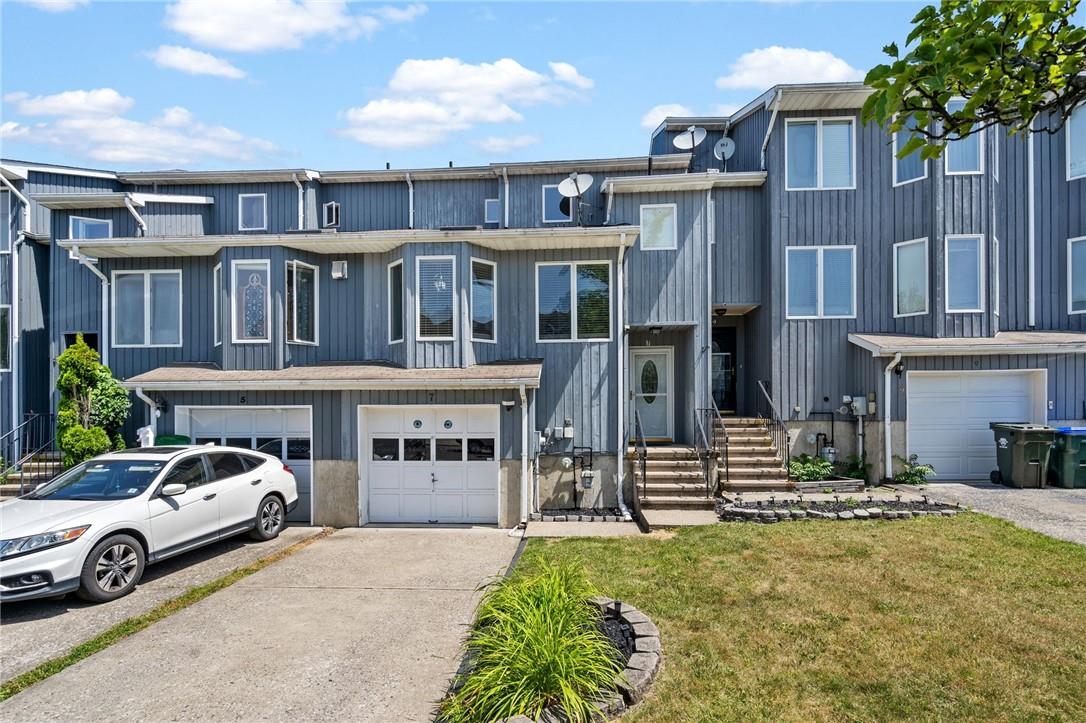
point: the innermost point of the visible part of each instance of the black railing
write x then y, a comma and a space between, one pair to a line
714, 421
705, 450
36, 435
642, 453
778, 430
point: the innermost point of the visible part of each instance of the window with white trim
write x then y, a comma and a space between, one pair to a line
820, 154
250, 295
964, 156
89, 228
484, 298
1076, 275
216, 303
911, 278
146, 308
435, 298
5, 338
331, 214
964, 268
552, 205
5, 227
573, 301
253, 212
995, 276
820, 282
492, 210
1076, 144
912, 167
302, 305
395, 302
659, 226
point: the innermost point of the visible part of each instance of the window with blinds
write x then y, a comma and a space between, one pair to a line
483, 300
1076, 144
912, 167
573, 301
911, 278
395, 302
301, 303
820, 282
434, 298
146, 308
820, 154
964, 155
964, 274
1076, 276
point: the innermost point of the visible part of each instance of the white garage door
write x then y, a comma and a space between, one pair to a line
431, 464
949, 413
280, 431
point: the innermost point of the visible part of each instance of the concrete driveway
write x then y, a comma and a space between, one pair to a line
363, 625
1054, 511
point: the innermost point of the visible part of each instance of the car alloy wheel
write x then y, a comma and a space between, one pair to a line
271, 517
116, 567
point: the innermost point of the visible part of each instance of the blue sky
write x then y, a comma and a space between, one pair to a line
332, 85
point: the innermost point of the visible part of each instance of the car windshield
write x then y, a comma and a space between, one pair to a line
113, 479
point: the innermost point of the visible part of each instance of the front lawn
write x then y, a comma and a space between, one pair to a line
967, 618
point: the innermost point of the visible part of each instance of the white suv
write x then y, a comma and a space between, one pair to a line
94, 528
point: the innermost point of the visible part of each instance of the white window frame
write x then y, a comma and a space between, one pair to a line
7, 220
995, 155
418, 299
388, 299
819, 276
981, 266
927, 277
73, 219
11, 335
981, 136
266, 264
573, 338
216, 303
471, 299
674, 227
334, 207
294, 296
818, 151
1070, 245
543, 205
264, 200
497, 210
893, 157
1081, 108
995, 275
147, 274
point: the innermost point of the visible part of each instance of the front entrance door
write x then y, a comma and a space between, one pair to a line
652, 382
724, 353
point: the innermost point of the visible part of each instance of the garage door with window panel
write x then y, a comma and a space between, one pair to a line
431, 464
283, 432
949, 414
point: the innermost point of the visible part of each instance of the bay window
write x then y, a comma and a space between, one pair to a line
964, 156
912, 167
964, 268
250, 296
911, 278
820, 282
1076, 275
302, 303
395, 302
483, 300
435, 298
1076, 144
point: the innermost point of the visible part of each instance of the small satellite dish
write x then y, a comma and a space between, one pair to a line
724, 149
690, 138
564, 206
575, 185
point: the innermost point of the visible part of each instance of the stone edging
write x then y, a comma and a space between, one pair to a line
575, 517
731, 513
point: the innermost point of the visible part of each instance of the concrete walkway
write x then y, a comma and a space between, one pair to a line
363, 625
1054, 511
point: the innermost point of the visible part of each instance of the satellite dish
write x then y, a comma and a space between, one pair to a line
724, 149
575, 185
688, 139
564, 207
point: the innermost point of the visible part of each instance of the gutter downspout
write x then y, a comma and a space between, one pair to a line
610, 202
14, 323
772, 121
136, 215
888, 460
89, 263
410, 201
505, 196
710, 236
152, 408
523, 457
621, 416
1031, 208
301, 201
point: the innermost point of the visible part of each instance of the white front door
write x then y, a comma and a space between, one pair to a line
651, 383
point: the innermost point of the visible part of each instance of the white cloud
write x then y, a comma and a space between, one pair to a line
500, 144
428, 100
253, 26
725, 108
56, 6
194, 62
655, 115
100, 101
566, 73
11, 129
765, 67
174, 138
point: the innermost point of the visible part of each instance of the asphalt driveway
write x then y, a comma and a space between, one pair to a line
362, 625
1054, 511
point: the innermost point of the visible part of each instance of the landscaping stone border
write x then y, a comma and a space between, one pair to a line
576, 516
788, 511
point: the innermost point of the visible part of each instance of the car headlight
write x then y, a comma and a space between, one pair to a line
32, 543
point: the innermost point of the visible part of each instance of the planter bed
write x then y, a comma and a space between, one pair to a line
833, 484
606, 514
846, 509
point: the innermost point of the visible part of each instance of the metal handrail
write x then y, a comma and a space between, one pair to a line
642, 452
35, 435
776, 426
705, 451
718, 422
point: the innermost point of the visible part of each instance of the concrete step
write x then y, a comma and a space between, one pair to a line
676, 503
673, 489
656, 463
756, 472
763, 485
752, 460
656, 518
666, 453
736, 449
673, 476
752, 440
741, 421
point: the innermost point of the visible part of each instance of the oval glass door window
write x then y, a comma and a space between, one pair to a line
650, 381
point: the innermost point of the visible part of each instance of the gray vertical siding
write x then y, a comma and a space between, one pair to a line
441, 204
368, 206
738, 246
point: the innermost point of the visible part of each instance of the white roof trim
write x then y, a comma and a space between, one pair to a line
683, 182
631, 163
1015, 343
76, 201
284, 175
20, 171
314, 384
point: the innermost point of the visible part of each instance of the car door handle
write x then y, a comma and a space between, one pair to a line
255, 482
211, 496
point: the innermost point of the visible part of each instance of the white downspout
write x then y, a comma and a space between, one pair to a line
887, 407
301, 201
505, 196
410, 201
1031, 236
136, 215
152, 409
523, 457
621, 416
89, 263
14, 322
772, 121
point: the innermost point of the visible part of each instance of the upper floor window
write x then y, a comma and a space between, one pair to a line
435, 298
146, 308
492, 210
659, 227
331, 214
89, 228
820, 282
820, 154
964, 155
395, 302
912, 167
573, 301
5, 338
253, 212
553, 207
911, 277
1076, 275
964, 269
1076, 144
216, 303
251, 297
302, 303
483, 300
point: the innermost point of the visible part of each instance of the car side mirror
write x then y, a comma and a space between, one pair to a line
172, 490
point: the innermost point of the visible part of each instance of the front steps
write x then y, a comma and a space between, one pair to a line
41, 468
674, 479
753, 463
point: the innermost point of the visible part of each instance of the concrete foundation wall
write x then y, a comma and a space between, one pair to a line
509, 493
335, 492
846, 441
560, 488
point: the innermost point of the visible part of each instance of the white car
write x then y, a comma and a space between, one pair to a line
94, 528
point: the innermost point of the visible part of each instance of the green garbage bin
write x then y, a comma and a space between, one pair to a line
1022, 452
1067, 465
166, 440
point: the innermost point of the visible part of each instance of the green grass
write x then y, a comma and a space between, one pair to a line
968, 618
133, 625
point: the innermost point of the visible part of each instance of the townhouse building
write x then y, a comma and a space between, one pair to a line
468, 345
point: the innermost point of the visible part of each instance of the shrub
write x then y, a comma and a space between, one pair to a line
806, 468
855, 467
93, 405
536, 643
80, 444
109, 404
913, 473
